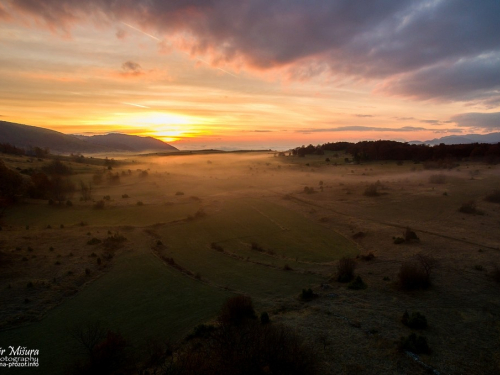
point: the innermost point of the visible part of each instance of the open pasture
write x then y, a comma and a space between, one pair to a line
199, 228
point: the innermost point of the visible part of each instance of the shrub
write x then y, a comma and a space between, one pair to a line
414, 321
470, 208
125, 196
264, 318
367, 257
87, 271
410, 235
345, 270
140, 203
416, 274
307, 295
257, 247
415, 344
372, 190
99, 205
201, 331
216, 247
398, 240
496, 274
309, 190
437, 179
69, 203
179, 193
357, 284
94, 241
30, 284
493, 197
286, 267
236, 311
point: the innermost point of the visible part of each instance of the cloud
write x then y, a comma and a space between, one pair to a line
480, 121
121, 34
130, 68
435, 122
364, 116
404, 118
361, 129
469, 79
433, 49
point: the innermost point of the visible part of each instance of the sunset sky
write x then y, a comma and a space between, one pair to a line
254, 73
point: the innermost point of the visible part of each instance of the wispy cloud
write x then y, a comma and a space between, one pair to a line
357, 128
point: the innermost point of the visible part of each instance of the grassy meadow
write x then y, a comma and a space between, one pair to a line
176, 235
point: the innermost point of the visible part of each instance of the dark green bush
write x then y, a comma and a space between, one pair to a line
357, 284
415, 344
94, 241
493, 197
414, 321
308, 295
345, 269
264, 318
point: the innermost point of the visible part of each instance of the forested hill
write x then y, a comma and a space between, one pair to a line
392, 150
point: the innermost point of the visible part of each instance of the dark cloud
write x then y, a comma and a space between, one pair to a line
130, 68
433, 49
469, 79
364, 115
482, 121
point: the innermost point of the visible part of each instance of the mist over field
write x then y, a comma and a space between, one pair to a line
148, 247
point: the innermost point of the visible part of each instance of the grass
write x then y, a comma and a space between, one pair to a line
39, 215
140, 297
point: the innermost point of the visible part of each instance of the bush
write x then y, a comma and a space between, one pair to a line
217, 247
496, 274
372, 190
416, 274
410, 235
125, 196
94, 241
140, 203
286, 267
415, 344
236, 311
470, 208
307, 295
99, 205
493, 197
179, 193
414, 321
437, 179
357, 284
398, 240
309, 190
264, 318
345, 270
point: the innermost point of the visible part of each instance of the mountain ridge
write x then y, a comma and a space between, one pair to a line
26, 136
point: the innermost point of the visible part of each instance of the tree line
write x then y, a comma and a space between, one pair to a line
393, 150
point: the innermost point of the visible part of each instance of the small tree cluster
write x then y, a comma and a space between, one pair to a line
345, 269
416, 274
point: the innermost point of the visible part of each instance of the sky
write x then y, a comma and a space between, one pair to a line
252, 73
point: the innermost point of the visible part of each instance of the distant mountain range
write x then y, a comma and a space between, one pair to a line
462, 139
25, 136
